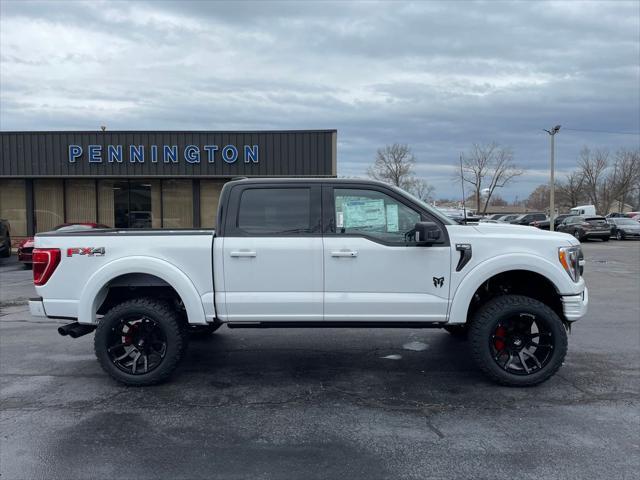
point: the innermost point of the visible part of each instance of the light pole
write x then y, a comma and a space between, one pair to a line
552, 186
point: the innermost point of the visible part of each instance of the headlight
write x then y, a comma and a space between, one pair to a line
570, 260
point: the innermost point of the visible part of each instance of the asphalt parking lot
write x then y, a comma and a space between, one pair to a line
326, 403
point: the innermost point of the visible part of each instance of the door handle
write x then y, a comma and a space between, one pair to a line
243, 253
344, 253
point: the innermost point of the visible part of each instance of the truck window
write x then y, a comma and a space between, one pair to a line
272, 211
374, 214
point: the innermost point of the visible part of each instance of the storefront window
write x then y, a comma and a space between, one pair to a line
81, 200
129, 204
49, 204
209, 194
177, 204
106, 214
13, 206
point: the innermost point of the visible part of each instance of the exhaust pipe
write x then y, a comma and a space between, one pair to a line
75, 329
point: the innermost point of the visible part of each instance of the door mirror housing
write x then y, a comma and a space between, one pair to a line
428, 233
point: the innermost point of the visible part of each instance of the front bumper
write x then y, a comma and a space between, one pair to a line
575, 306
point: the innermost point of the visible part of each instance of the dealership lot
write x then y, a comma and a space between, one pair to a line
338, 403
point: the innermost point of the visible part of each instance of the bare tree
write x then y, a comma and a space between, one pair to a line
394, 164
606, 183
598, 184
423, 190
626, 176
539, 198
571, 192
488, 167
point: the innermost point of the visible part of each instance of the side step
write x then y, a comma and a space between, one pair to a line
329, 324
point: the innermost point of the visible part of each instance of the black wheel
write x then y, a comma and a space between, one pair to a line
458, 331
203, 331
517, 341
140, 341
576, 233
619, 235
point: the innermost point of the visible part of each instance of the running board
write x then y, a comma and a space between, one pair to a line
329, 324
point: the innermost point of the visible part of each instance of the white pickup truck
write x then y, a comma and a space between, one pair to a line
315, 253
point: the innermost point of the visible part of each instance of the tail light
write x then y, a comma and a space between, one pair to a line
44, 261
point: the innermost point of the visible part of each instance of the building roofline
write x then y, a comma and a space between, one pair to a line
168, 131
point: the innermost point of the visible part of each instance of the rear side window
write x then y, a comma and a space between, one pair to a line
275, 211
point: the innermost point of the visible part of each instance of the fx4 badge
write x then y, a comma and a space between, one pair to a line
438, 281
88, 251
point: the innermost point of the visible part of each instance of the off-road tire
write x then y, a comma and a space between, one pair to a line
172, 327
489, 316
458, 331
7, 250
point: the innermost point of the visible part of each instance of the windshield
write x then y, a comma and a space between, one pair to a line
432, 210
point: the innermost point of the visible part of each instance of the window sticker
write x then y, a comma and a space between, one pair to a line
392, 217
340, 220
363, 213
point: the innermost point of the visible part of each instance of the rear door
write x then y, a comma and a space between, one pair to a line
374, 270
272, 253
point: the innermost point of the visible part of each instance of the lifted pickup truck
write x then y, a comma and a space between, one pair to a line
315, 253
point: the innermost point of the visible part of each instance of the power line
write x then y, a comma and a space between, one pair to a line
600, 131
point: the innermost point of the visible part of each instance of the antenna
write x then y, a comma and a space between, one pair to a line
464, 208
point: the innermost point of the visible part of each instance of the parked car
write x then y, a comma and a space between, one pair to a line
527, 218
293, 253
636, 218
495, 216
623, 228
508, 218
25, 247
544, 224
5, 238
585, 227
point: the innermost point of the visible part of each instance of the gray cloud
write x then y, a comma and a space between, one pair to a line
436, 75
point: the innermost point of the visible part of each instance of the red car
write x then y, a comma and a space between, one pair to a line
25, 247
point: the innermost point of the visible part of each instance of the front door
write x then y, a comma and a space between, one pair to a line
272, 253
374, 271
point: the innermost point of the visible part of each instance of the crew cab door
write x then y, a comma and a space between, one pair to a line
272, 253
374, 270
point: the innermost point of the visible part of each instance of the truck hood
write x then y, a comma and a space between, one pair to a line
507, 230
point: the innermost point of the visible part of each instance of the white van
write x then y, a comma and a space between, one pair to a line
583, 210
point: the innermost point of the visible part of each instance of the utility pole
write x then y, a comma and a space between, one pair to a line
552, 183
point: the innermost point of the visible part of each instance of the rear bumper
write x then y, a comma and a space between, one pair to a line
24, 256
575, 306
36, 307
597, 234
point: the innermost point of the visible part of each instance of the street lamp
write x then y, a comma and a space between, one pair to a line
552, 186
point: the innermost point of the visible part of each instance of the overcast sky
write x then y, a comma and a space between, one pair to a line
439, 76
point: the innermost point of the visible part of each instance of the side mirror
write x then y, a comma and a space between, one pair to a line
428, 233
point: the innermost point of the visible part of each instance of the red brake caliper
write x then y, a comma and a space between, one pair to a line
499, 342
128, 337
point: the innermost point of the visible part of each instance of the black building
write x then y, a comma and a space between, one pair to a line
143, 179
